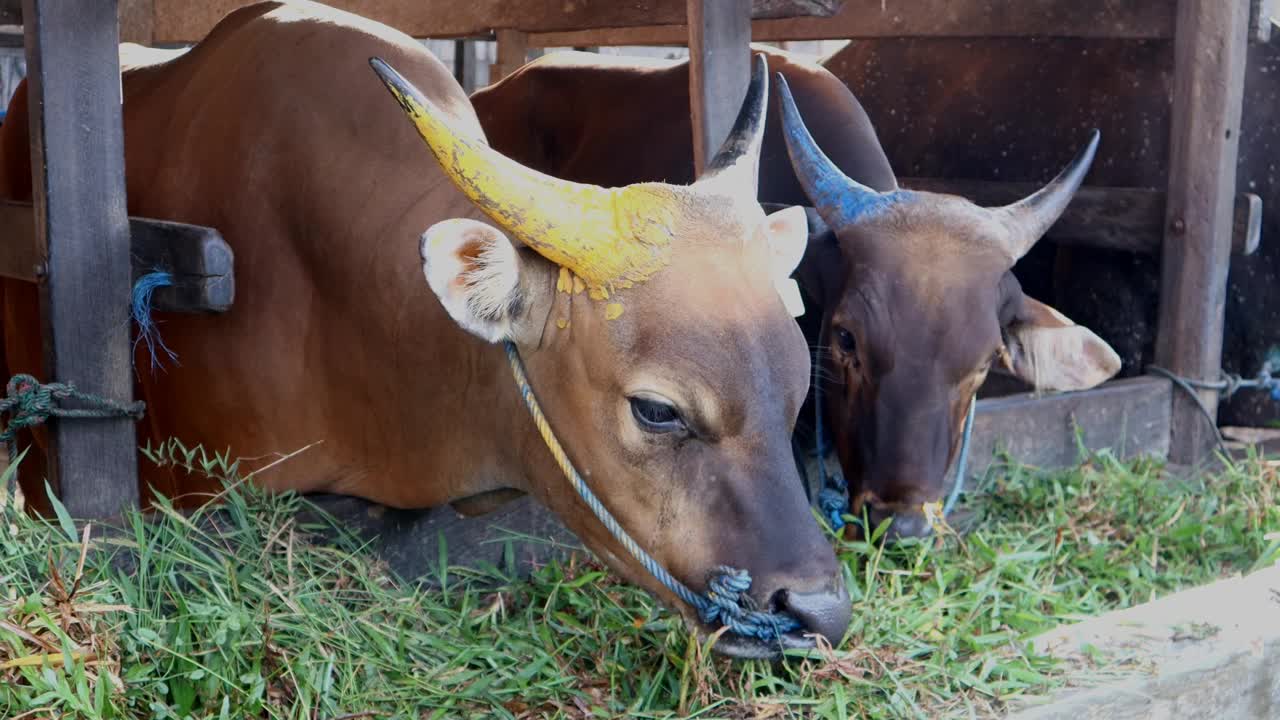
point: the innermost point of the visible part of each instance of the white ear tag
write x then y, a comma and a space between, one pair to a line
789, 291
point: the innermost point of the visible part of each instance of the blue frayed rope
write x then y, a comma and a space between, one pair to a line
726, 602
140, 308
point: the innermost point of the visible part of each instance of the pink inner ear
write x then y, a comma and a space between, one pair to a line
468, 253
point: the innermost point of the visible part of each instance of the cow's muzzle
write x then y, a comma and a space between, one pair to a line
825, 612
907, 523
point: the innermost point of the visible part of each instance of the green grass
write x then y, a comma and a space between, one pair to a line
236, 614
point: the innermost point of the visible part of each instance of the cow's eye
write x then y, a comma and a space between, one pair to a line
656, 416
844, 339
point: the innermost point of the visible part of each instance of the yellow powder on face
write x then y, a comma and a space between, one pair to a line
613, 311
578, 285
562, 323
563, 283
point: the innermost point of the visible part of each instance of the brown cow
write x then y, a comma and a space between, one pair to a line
959, 108
896, 430
647, 315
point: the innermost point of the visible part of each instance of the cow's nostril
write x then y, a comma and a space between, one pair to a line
825, 612
777, 602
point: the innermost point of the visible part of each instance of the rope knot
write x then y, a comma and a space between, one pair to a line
29, 402
728, 603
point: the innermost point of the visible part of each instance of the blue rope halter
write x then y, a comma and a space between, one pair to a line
726, 602
833, 499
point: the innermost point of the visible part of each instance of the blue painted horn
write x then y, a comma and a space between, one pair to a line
840, 199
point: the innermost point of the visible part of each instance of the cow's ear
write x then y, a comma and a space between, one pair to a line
483, 281
787, 232
1048, 351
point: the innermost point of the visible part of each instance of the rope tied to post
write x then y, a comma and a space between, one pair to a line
29, 402
726, 601
1227, 385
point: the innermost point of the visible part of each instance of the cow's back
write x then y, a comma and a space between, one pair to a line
275, 131
612, 121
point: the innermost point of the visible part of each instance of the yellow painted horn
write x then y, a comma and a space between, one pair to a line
610, 237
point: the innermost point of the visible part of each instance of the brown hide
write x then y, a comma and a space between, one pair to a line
275, 131
998, 109
613, 121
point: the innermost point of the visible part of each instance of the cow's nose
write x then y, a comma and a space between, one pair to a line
904, 525
825, 612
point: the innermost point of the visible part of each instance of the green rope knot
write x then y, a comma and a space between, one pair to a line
29, 402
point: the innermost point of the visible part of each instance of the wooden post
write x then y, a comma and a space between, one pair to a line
513, 49
719, 70
1209, 59
77, 161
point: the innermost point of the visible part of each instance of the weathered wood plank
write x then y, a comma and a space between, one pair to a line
190, 20
1129, 219
919, 18
1209, 61
77, 160
719, 71
1130, 416
137, 19
201, 262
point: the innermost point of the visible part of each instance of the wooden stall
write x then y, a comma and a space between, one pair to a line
78, 220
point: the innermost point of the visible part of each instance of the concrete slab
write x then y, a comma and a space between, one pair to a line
1213, 651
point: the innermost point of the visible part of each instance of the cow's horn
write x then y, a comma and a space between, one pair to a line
739, 155
605, 235
839, 198
1032, 216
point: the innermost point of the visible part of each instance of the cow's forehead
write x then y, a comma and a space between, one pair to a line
944, 238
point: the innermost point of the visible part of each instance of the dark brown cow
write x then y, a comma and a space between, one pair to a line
648, 315
997, 109
937, 317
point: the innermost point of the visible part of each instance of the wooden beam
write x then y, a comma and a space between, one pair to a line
1130, 416
1130, 219
77, 160
763, 9
175, 21
719, 71
199, 259
920, 18
137, 21
1209, 64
